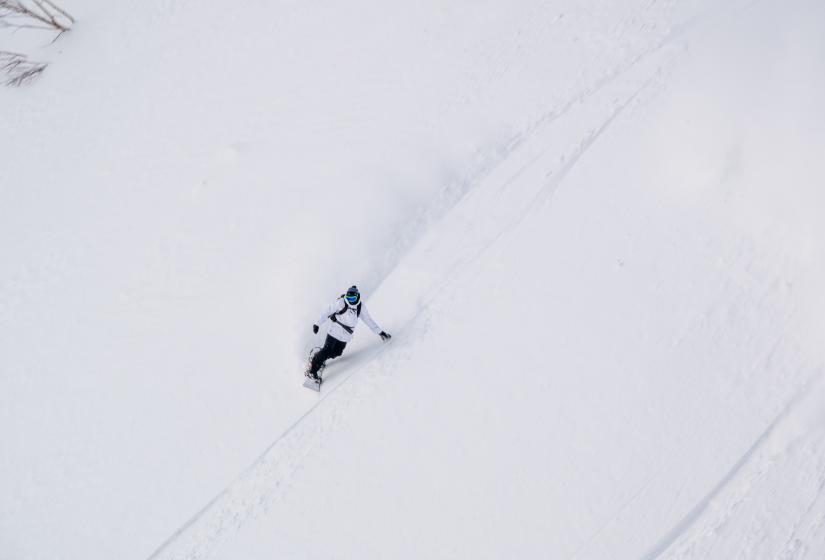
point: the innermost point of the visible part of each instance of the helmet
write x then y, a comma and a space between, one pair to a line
353, 296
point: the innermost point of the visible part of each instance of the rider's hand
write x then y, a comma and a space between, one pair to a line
315, 329
384, 335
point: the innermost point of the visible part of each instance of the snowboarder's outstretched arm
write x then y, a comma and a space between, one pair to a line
370, 322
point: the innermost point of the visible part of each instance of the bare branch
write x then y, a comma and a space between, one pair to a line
43, 11
25, 26
18, 69
60, 10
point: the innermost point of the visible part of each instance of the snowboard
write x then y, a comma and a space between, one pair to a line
310, 383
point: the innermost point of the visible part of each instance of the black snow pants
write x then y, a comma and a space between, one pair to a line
332, 349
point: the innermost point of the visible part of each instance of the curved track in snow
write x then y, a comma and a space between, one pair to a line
529, 168
529, 171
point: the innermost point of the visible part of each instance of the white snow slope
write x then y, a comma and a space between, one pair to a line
593, 228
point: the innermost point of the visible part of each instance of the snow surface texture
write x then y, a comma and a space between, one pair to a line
592, 227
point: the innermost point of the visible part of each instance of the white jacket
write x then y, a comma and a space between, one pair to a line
350, 319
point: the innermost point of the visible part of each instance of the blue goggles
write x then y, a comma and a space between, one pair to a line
352, 298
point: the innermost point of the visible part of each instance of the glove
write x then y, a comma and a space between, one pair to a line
384, 335
315, 329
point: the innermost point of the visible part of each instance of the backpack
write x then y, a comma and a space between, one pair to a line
334, 316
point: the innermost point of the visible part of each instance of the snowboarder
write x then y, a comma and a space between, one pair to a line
344, 313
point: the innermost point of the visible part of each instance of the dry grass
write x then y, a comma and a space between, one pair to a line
35, 14
18, 69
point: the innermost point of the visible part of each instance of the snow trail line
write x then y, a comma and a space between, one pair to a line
695, 513
270, 475
251, 472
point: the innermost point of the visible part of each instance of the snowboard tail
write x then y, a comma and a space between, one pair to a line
313, 384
